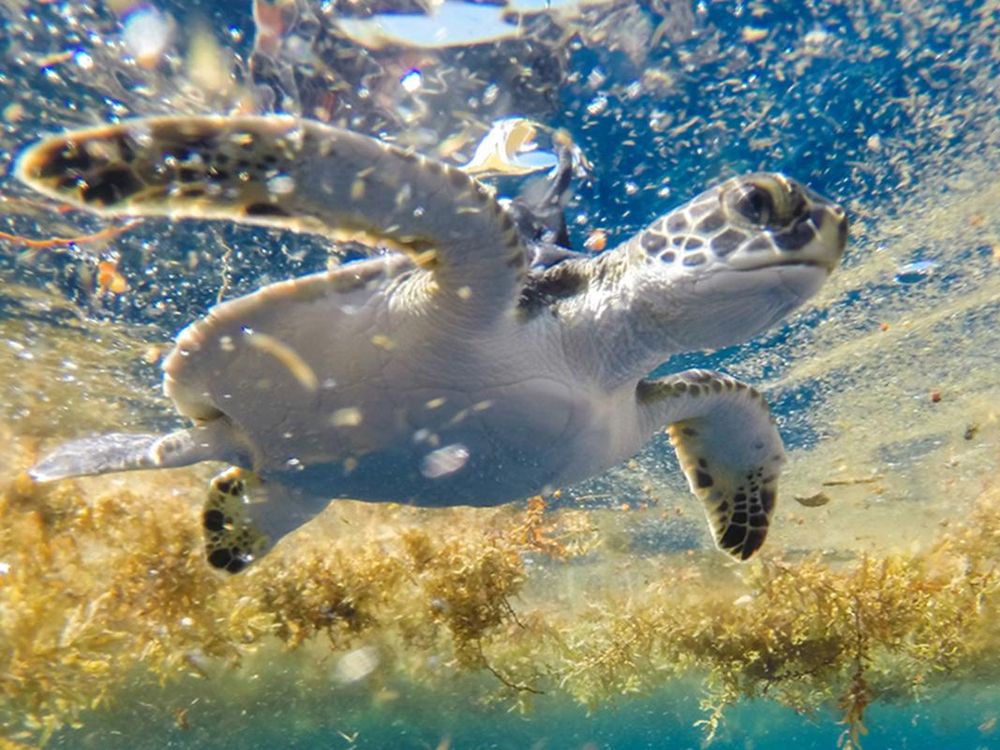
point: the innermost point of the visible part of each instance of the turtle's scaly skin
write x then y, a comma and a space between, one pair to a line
448, 373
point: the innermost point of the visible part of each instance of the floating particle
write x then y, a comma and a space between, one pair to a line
412, 81
596, 77
109, 279
913, 273
147, 35
383, 342
753, 34
83, 60
350, 416
288, 357
355, 665
935, 396
813, 501
281, 184
597, 105
13, 112
444, 461
596, 241
971, 430
874, 143
504, 148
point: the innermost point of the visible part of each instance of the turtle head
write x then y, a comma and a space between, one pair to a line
736, 259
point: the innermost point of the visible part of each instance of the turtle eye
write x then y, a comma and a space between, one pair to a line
755, 204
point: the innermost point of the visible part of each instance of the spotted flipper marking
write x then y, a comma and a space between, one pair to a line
739, 506
299, 175
232, 539
728, 448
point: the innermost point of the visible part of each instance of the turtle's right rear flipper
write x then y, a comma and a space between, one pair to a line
118, 451
98, 455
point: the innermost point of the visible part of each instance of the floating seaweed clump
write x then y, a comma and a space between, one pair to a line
103, 583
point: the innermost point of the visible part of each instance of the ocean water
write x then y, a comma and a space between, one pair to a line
870, 619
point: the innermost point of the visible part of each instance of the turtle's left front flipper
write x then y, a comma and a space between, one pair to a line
300, 175
728, 448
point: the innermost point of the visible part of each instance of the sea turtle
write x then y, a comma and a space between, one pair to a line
450, 371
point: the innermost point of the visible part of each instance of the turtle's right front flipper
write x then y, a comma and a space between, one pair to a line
300, 175
728, 448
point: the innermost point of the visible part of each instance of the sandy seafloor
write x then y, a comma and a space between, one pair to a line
616, 626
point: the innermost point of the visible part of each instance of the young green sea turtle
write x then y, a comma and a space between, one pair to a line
448, 372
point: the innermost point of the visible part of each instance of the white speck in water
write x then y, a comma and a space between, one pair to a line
631, 188
4, 567
350, 416
294, 463
412, 80
146, 34
598, 105
490, 94
913, 273
355, 665
281, 184
82, 59
444, 461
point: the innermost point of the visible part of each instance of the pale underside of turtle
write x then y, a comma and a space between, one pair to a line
448, 371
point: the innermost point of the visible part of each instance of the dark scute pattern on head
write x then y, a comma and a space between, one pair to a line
727, 242
676, 223
711, 223
652, 241
800, 235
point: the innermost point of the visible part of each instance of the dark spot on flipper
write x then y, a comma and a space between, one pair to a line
703, 478
190, 174
214, 520
111, 186
755, 538
69, 160
740, 498
558, 282
739, 517
733, 537
264, 209
237, 562
220, 558
767, 499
